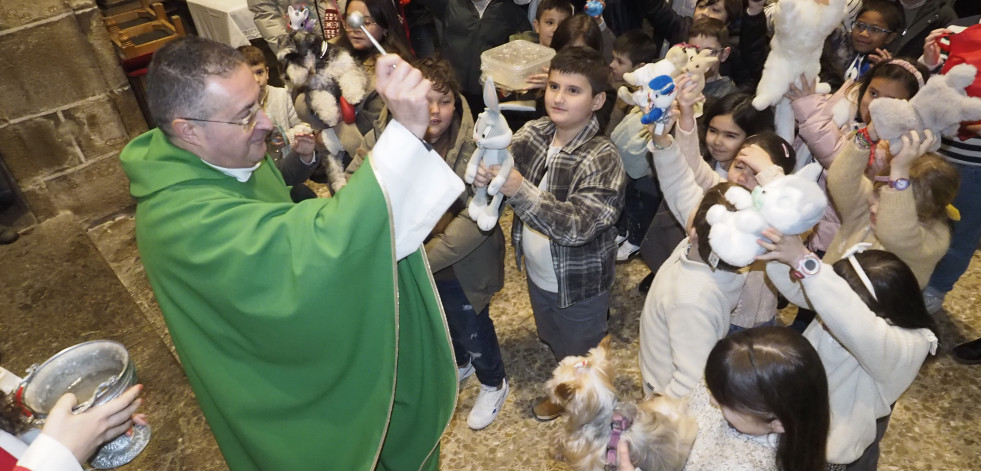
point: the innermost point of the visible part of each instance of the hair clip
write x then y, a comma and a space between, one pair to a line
850, 255
582, 364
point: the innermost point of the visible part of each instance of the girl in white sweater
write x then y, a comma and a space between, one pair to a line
873, 335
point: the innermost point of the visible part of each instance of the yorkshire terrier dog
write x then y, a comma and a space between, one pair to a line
659, 430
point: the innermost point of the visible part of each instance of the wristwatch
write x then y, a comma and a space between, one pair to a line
899, 184
809, 265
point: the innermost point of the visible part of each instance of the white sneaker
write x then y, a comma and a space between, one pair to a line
488, 404
626, 251
620, 239
933, 299
464, 372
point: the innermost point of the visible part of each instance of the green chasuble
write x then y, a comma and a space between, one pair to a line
306, 345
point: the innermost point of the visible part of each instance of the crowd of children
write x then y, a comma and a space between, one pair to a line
591, 185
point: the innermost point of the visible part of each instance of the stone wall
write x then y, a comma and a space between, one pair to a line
66, 109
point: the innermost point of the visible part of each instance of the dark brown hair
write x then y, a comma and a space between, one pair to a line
781, 153
253, 55
773, 373
891, 12
578, 26
384, 13
897, 293
439, 71
583, 61
637, 46
890, 71
710, 28
713, 196
545, 5
734, 8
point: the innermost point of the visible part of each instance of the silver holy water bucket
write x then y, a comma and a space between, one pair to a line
96, 372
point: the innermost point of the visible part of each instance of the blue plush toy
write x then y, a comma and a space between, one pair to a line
594, 8
662, 94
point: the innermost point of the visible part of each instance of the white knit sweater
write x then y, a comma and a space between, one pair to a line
718, 446
869, 362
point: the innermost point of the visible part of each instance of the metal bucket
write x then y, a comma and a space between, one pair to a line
96, 372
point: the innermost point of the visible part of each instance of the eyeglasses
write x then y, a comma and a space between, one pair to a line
713, 52
860, 27
368, 22
248, 123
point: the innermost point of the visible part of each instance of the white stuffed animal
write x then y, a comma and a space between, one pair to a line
799, 30
940, 105
492, 136
676, 58
791, 204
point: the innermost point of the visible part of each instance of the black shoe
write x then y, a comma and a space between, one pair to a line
968, 353
645, 284
7, 235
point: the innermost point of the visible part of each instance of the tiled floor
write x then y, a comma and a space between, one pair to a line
63, 283
935, 426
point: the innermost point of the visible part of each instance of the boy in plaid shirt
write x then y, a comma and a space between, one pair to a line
566, 189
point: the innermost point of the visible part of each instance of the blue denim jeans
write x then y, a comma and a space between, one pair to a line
472, 334
967, 232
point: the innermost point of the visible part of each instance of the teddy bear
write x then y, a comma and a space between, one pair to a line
940, 105
791, 204
492, 135
799, 30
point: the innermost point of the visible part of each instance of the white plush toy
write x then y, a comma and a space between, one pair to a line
493, 136
696, 68
791, 204
799, 30
676, 58
940, 105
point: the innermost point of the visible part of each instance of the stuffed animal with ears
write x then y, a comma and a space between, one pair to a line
299, 19
940, 105
676, 58
657, 90
799, 30
492, 136
696, 69
792, 204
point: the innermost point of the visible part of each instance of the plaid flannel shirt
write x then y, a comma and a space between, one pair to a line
585, 186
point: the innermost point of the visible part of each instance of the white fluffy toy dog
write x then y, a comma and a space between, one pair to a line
659, 430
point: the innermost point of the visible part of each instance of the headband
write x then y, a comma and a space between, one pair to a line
850, 255
909, 68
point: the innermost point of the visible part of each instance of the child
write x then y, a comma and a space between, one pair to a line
470, 28
712, 34
873, 336
548, 16
467, 263
687, 309
566, 190
582, 30
763, 406
631, 51
904, 211
289, 133
760, 158
879, 22
729, 121
745, 64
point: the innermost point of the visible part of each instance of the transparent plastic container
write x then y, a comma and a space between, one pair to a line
511, 64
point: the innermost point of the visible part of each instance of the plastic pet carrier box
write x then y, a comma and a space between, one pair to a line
511, 64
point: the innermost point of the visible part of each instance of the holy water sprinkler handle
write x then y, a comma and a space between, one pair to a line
356, 20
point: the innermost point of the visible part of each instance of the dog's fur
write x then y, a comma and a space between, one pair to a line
662, 429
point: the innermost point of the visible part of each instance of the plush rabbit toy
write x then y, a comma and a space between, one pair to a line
492, 135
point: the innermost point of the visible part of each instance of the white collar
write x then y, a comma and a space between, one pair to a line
240, 174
